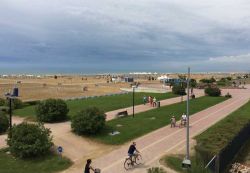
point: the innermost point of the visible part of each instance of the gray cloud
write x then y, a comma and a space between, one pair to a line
113, 35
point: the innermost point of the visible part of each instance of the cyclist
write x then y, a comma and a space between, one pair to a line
183, 119
132, 151
88, 167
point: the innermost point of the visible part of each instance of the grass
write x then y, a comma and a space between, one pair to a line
143, 123
219, 135
175, 163
106, 103
47, 164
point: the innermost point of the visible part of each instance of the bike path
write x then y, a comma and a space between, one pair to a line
167, 140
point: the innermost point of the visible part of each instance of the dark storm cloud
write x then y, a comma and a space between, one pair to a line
118, 35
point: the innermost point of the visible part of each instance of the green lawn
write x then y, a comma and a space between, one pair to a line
175, 163
48, 164
106, 103
143, 122
219, 135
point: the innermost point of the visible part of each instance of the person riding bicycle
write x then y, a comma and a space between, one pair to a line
88, 167
132, 150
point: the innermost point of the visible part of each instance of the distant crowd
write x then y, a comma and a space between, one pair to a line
149, 99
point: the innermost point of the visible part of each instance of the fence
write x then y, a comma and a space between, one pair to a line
227, 154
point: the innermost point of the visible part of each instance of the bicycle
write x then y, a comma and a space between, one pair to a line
130, 162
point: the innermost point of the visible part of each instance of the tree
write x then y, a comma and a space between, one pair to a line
88, 121
193, 83
4, 122
2, 102
52, 110
29, 140
179, 89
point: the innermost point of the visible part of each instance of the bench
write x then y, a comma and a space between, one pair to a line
122, 114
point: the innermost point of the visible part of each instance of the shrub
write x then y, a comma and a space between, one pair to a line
29, 140
88, 121
178, 89
213, 91
228, 95
4, 122
17, 103
52, 110
156, 170
2, 102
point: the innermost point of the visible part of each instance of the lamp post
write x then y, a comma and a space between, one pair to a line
187, 162
9, 97
133, 100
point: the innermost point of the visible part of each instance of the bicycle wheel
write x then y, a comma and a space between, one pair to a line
138, 159
128, 164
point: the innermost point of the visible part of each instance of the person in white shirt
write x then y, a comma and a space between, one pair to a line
183, 119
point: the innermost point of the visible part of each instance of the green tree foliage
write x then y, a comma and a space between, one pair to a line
88, 121
2, 101
29, 140
213, 91
179, 89
208, 81
4, 122
193, 83
52, 110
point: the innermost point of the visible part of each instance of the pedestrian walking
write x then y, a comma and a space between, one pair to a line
88, 166
173, 121
144, 99
154, 102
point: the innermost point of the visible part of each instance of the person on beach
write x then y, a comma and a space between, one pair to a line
88, 167
173, 121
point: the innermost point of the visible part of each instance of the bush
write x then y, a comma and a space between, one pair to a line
52, 110
29, 140
4, 122
17, 103
156, 170
178, 89
2, 102
88, 121
213, 91
228, 95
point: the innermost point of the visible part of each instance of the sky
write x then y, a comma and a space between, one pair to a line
90, 36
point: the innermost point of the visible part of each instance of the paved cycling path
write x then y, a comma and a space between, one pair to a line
167, 140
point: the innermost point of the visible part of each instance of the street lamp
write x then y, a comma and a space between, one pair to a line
10, 97
133, 100
187, 162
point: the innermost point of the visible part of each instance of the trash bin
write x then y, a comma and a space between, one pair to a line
158, 104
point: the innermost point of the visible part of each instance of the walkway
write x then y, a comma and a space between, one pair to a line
166, 140
147, 107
